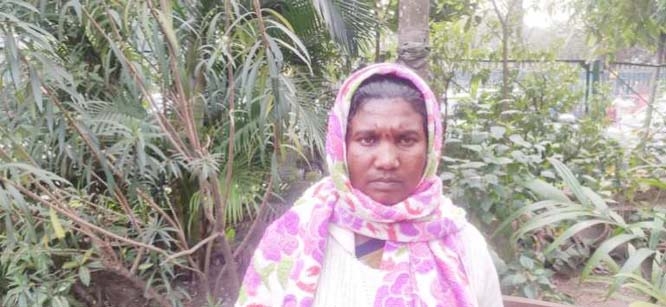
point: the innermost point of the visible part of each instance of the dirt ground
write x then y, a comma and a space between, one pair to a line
591, 294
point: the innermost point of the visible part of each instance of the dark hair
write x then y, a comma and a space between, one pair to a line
388, 86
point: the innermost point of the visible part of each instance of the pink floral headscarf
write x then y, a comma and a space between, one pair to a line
422, 252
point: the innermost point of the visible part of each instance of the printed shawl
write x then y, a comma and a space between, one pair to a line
422, 252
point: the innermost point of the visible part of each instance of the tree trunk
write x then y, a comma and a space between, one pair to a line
512, 23
505, 23
505, 65
517, 15
654, 85
378, 34
413, 30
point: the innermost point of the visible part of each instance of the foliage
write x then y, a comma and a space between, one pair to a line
617, 24
451, 10
134, 134
648, 170
527, 277
457, 50
347, 21
491, 154
500, 148
320, 23
630, 245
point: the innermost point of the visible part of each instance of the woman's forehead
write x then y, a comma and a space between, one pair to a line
391, 113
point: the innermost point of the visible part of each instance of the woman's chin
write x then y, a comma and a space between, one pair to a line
386, 193
384, 199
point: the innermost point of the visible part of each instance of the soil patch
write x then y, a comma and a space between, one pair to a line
592, 294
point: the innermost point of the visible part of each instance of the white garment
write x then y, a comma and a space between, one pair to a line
345, 281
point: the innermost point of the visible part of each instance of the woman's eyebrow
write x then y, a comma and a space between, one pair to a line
363, 132
409, 132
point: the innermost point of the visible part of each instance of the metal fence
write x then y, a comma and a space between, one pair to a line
624, 80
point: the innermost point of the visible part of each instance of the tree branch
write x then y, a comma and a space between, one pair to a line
75, 218
195, 247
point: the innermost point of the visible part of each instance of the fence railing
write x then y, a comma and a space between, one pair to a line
622, 78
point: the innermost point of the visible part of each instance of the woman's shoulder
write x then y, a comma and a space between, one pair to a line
317, 192
480, 267
311, 204
471, 238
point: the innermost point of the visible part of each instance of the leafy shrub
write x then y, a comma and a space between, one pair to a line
633, 251
121, 125
491, 153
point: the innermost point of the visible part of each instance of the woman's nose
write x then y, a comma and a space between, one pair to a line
387, 157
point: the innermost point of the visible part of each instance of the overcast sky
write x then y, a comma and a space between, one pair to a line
537, 13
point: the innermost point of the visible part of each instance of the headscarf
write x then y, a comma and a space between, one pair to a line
422, 252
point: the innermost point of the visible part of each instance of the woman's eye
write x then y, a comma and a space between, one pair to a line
368, 140
407, 141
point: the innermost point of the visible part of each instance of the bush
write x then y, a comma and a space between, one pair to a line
492, 154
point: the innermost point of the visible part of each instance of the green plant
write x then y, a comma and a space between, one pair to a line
526, 276
133, 134
626, 247
491, 153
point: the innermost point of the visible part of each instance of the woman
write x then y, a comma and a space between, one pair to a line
377, 231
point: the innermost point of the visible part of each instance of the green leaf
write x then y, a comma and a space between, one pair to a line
9, 225
497, 132
345, 21
55, 223
603, 250
546, 191
59, 301
165, 21
502, 161
145, 266
472, 165
644, 287
634, 262
84, 275
570, 232
570, 180
474, 148
526, 262
86, 256
529, 208
514, 279
23, 4
520, 156
70, 265
35, 85
596, 200
658, 228
659, 184
474, 83
518, 140
486, 204
12, 58
552, 218
530, 290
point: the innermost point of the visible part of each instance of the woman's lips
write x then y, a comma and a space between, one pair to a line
385, 184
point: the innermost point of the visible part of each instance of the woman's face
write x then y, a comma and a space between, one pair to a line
386, 149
